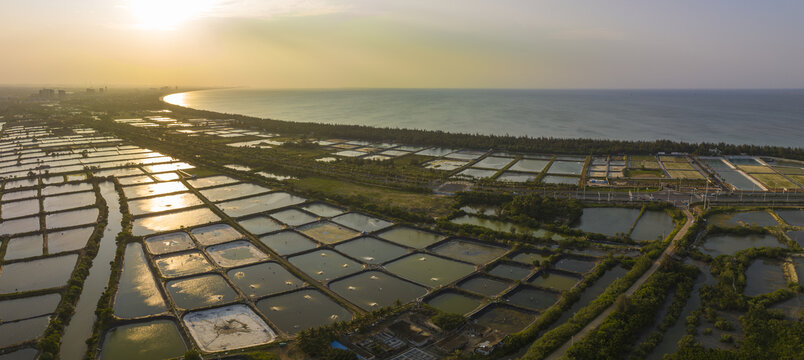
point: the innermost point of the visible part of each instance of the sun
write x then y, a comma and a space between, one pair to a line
167, 14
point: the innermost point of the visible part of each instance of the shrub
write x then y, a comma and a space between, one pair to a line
448, 321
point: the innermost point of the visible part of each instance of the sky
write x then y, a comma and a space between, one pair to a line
404, 43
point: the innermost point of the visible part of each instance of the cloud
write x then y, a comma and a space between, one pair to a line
268, 9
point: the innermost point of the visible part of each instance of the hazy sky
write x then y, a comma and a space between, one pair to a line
409, 43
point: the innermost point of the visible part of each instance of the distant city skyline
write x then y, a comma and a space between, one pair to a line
535, 44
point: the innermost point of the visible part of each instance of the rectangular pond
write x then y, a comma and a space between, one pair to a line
323, 210
188, 263
758, 218
301, 310
513, 272
24, 247
530, 257
794, 217
562, 180
227, 192
477, 173
168, 243
653, 225
429, 270
173, 221
23, 330
566, 167
203, 182
454, 302
360, 222
730, 244
325, 265
68, 240
134, 180
66, 188
554, 280
215, 234
200, 291
156, 339
575, 265
27, 307
235, 253
288, 242
469, 251
37, 274
160, 188
517, 177
17, 195
163, 203
228, 328
608, 221
72, 218
293, 217
531, 298
263, 279
261, 203
327, 232
19, 226
493, 162
410, 237
20, 208
484, 285
137, 294
260, 224
529, 165
371, 250
375, 289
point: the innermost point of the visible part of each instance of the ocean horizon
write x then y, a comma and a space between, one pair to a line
750, 116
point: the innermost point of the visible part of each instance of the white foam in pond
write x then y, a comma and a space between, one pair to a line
227, 328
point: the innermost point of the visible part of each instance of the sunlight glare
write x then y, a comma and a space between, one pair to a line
167, 14
176, 99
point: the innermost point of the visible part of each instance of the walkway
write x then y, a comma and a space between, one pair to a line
592, 325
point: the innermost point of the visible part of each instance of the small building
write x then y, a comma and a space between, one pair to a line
414, 334
491, 340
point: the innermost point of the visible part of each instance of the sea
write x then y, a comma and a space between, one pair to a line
760, 117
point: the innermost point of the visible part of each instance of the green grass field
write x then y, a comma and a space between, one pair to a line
646, 164
677, 165
798, 178
789, 170
680, 174
667, 158
756, 169
645, 174
415, 202
774, 181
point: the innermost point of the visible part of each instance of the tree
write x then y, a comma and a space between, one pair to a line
448, 321
192, 354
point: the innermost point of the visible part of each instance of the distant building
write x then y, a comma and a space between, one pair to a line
90, 91
47, 93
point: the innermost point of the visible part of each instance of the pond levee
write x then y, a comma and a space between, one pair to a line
73, 344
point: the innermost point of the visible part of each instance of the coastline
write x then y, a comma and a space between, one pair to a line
672, 145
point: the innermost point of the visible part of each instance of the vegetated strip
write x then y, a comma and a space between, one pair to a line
51, 340
612, 338
555, 338
103, 311
583, 146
